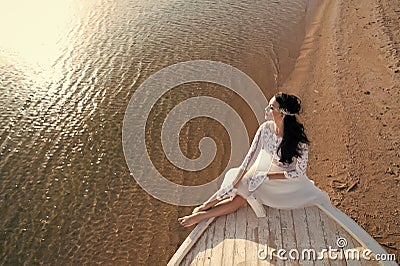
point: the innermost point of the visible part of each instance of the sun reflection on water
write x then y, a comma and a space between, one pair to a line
34, 33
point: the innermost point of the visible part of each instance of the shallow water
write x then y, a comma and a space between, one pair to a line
67, 73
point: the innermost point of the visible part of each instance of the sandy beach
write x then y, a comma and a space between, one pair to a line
348, 78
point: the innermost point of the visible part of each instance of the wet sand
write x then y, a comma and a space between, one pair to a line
348, 78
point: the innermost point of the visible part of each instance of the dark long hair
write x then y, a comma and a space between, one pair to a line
293, 130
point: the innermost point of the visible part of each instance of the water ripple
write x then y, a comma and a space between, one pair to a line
66, 194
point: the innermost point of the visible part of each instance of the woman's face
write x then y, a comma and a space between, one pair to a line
271, 111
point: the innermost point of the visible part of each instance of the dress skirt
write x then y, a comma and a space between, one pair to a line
282, 193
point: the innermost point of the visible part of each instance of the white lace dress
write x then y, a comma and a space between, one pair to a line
295, 191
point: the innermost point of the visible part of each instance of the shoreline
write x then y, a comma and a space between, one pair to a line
287, 64
348, 80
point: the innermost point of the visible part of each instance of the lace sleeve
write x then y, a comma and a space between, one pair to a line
248, 161
301, 164
254, 150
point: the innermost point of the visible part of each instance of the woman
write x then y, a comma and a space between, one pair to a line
279, 181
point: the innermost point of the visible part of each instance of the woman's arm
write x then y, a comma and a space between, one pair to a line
248, 161
253, 152
299, 170
301, 164
251, 155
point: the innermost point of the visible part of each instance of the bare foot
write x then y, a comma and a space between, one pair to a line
192, 219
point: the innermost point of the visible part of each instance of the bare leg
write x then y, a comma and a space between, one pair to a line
221, 208
215, 202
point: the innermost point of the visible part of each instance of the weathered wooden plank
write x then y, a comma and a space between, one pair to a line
198, 249
217, 242
300, 229
356, 258
355, 230
251, 246
302, 236
239, 254
288, 237
316, 235
346, 244
229, 241
263, 234
188, 259
194, 256
209, 239
275, 234
189, 242
352, 244
331, 234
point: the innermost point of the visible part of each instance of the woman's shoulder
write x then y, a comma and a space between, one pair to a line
266, 128
267, 125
